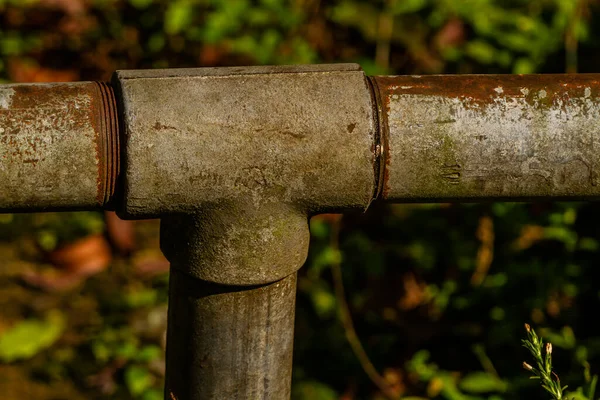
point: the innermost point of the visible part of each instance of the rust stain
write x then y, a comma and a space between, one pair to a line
485, 89
296, 135
103, 111
381, 150
40, 109
160, 127
387, 151
66, 130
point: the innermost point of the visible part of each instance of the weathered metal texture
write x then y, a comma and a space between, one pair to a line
299, 135
237, 244
228, 342
235, 160
489, 137
58, 146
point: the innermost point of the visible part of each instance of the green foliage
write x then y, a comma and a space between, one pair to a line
313, 391
482, 382
138, 380
28, 337
542, 355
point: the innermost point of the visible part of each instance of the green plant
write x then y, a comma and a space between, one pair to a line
542, 355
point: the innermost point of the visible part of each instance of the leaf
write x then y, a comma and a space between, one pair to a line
482, 382
29, 337
137, 379
313, 391
178, 17
481, 51
408, 6
149, 353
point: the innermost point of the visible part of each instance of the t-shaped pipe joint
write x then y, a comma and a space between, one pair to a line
249, 153
235, 160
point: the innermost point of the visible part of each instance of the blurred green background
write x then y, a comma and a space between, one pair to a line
403, 301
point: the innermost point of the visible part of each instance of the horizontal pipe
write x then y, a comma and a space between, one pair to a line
489, 137
58, 146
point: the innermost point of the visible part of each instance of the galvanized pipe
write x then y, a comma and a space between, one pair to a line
229, 342
489, 137
58, 146
232, 340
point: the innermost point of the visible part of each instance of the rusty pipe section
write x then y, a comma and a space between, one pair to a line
489, 137
58, 146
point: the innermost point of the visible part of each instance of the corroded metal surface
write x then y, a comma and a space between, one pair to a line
490, 137
253, 151
237, 244
302, 136
235, 160
229, 343
58, 146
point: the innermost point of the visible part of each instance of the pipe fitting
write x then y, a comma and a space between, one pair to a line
246, 155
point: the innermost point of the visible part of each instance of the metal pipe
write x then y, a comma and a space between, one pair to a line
234, 160
58, 146
489, 137
225, 341
299, 135
228, 342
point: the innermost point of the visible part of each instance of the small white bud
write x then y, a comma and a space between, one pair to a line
548, 348
527, 366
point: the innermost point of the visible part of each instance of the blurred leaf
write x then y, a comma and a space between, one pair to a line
138, 379
149, 353
482, 382
324, 302
137, 297
408, 6
178, 16
313, 391
524, 66
481, 51
29, 337
153, 394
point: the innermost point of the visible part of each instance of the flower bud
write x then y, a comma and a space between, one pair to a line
548, 348
527, 366
527, 328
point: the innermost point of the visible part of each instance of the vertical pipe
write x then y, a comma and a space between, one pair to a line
229, 342
231, 301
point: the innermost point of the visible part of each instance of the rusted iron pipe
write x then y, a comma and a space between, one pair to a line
489, 137
58, 146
